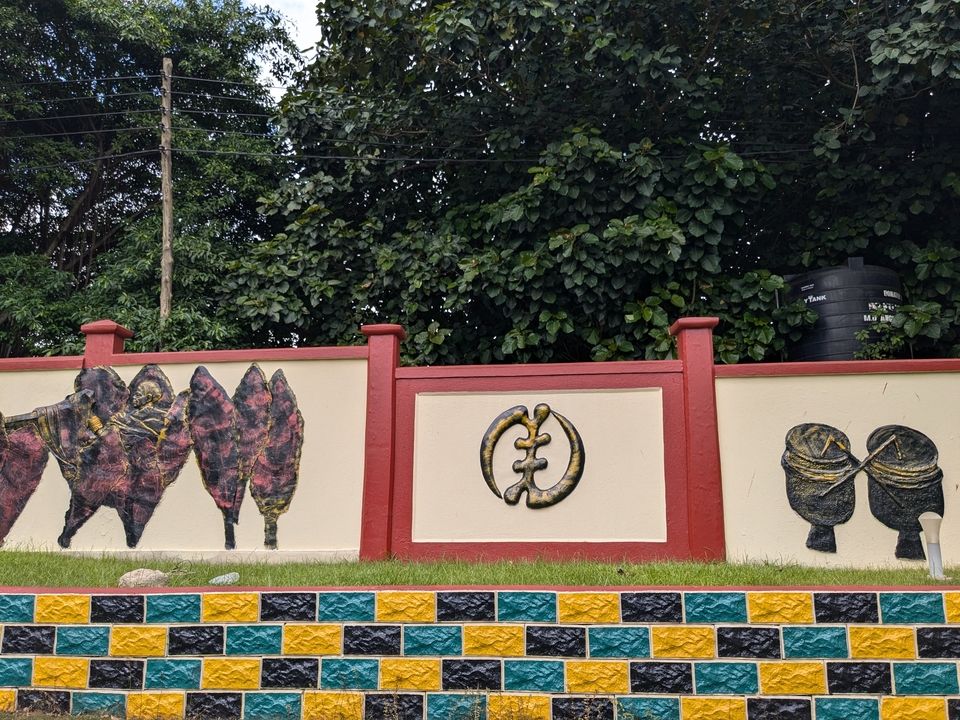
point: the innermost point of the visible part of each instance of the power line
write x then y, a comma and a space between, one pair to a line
377, 158
84, 115
207, 96
78, 162
81, 132
116, 78
27, 101
221, 112
228, 82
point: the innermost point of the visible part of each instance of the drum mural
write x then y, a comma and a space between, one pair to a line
121, 447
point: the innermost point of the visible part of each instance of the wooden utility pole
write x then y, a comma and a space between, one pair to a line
166, 188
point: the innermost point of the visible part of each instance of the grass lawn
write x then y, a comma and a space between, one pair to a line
26, 568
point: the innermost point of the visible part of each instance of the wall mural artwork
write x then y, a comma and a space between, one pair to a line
121, 447
903, 481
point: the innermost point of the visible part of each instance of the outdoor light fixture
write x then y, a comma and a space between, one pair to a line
930, 522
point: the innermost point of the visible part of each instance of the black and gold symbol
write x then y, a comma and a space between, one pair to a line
536, 498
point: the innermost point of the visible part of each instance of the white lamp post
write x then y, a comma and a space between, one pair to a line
930, 522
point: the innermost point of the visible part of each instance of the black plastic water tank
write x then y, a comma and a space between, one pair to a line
847, 299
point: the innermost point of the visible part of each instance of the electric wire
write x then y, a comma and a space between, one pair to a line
112, 78
154, 128
68, 163
82, 115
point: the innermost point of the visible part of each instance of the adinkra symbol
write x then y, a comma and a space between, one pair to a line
536, 498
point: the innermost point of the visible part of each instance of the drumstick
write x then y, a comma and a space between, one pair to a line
863, 463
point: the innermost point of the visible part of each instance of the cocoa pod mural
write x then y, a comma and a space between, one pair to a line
23, 457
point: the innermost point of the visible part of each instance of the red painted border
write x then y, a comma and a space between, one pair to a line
259, 355
64, 362
838, 367
539, 370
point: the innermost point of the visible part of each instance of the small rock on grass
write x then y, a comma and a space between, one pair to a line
144, 577
229, 579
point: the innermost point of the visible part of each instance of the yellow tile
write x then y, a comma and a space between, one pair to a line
155, 706
780, 607
683, 642
493, 640
792, 678
230, 674
394, 606
332, 706
312, 639
60, 672
581, 607
72, 609
586, 676
133, 641
405, 674
952, 602
8, 700
231, 607
698, 708
882, 642
907, 708
518, 707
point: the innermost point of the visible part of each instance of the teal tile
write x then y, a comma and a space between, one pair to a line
613, 642
96, 703
15, 672
16, 608
456, 707
847, 709
527, 606
347, 606
432, 640
254, 639
815, 642
925, 679
83, 640
723, 678
271, 706
172, 675
648, 708
337, 674
909, 608
173, 608
533, 675
715, 607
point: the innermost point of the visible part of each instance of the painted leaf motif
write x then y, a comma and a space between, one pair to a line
174, 445
109, 393
213, 428
22, 462
275, 474
252, 403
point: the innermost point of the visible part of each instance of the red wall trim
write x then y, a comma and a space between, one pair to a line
539, 370
838, 367
261, 355
65, 362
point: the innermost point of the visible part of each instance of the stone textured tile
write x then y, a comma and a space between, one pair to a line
951, 607
59, 672
346, 607
116, 609
272, 706
8, 700
683, 642
230, 607
371, 640
859, 678
533, 676
882, 642
138, 641
908, 708
695, 708
62, 609
332, 706
15, 672
98, 703
393, 707
471, 675
559, 641
598, 676
661, 678
722, 678
155, 706
432, 640
846, 607
312, 639
847, 709
172, 675
815, 642
49, 702
793, 678
588, 708
524, 606
254, 639
584, 607
908, 607
925, 679
780, 607
290, 673
407, 674
406, 606
204, 705
953, 709
613, 642
715, 607
748, 642
117, 674
465, 606
88, 640
642, 708
338, 674
493, 640
173, 608
651, 607
778, 709
512, 707
288, 606
195, 640
230, 674
28, 639
16, 608
938, 642
456, 707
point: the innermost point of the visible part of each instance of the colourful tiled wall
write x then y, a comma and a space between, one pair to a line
485, 654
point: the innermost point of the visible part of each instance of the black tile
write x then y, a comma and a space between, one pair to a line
932, 642
471, 675
288, 606
46, 701
778, 709
195, 640
748, 642
299, 673
214, 705
476, 606
558, 641
28, 639
953, 709
861, 678
575, 708
119, 674
851, 607
116, 609
661, 677
393, 707
651, 607
371, 640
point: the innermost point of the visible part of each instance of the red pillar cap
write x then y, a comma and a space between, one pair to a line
694, 323
106, 327
383, 329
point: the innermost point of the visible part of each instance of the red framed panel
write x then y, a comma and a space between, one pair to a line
838, 367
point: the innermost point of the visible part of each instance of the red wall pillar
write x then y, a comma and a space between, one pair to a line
383, 344
105, 339
704, 489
